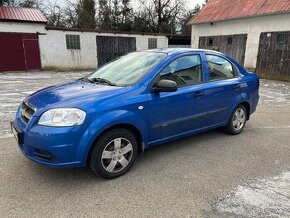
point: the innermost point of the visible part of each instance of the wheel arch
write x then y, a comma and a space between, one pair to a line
247, 107
243, 102
130, 127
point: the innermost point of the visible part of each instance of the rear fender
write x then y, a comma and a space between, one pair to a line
243, 97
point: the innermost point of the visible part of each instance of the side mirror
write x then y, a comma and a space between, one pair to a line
165, 86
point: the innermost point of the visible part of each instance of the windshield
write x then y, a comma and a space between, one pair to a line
127, 69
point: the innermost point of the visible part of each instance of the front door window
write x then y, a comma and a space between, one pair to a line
185, 71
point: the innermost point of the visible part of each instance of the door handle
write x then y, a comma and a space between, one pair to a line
198, 94
238, 86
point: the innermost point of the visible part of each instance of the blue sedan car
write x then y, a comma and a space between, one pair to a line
136, 102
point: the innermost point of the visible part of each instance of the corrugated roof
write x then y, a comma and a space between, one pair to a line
21, 14
219, 10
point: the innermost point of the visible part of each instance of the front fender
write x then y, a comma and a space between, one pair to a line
106, 121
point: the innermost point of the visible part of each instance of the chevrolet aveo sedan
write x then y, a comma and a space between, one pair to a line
138, 101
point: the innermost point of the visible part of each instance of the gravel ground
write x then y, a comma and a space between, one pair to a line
209, 175
14, 87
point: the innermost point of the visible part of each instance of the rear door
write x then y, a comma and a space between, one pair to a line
175, 113
223, 87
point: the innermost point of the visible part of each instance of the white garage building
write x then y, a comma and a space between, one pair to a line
26, 43
255, 32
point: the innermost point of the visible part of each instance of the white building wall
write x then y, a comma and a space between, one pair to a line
14, 27
252, 26
55, 55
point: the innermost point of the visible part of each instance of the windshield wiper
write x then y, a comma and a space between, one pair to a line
98, 80
86, 79
103, 81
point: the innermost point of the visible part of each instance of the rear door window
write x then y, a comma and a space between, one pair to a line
219, 68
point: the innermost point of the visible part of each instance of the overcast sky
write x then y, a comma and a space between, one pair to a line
191, 3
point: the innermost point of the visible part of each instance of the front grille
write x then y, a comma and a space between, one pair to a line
26, 112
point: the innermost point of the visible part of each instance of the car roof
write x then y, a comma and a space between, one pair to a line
174, 51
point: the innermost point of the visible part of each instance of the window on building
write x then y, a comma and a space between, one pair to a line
281, 38
73, 42
230, 40
210, 41
219, 68
185, 71
152, 43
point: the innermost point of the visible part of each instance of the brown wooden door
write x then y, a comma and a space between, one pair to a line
274, 56
233, 45
111, 47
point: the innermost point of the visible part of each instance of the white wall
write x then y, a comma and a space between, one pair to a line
252, 26
14, 27
54, 53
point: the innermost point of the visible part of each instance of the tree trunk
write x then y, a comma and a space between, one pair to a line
159, 14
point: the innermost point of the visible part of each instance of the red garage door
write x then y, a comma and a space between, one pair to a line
19, 51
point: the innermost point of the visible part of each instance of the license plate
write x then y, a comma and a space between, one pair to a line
15, 133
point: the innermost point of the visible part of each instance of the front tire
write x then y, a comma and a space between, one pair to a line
237, 121
114, 153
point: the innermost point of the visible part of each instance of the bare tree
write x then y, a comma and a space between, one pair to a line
86, 14
127, 16
104, 15
70, 15
162, 14
186, 17
7, 2
115, 15
54, 14
19, 3
28, 4
80, 14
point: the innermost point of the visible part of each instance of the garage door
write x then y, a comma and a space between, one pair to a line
110, 47
274, 56
19, 52
233, 45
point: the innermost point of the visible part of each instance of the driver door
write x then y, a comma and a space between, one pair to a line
176, 113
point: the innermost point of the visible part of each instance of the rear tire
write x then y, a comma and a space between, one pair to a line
237, 121
114, 153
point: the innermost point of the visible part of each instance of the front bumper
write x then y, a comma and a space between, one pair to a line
52, 147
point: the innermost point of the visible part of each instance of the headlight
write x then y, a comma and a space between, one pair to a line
62, 117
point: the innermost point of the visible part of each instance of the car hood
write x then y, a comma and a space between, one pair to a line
72, 94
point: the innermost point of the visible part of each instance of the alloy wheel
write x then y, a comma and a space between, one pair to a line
116, 155
239, 119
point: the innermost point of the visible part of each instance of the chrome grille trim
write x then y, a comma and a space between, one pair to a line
26, 112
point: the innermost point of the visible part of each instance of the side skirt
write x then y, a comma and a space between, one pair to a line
182, 135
